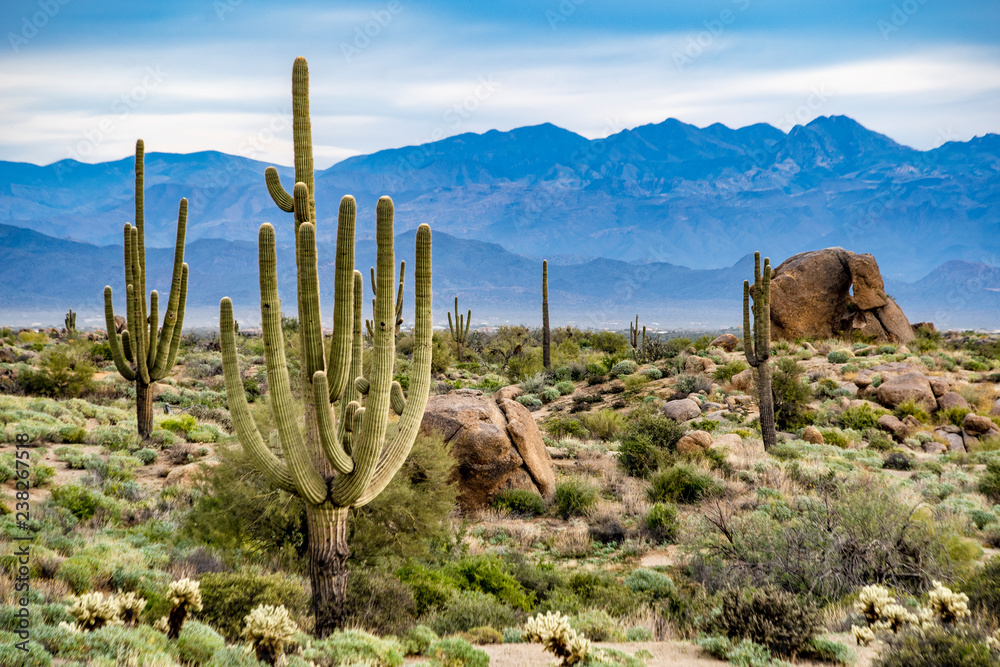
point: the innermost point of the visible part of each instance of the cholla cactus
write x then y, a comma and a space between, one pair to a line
896, 617
946, 605
270, 629
93, 611
185, 596
130, 606
553, 631
872, 603
863, 635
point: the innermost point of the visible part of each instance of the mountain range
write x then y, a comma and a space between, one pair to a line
658, 219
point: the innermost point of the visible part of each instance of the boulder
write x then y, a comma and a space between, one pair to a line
681, 409
487, 442
939, 385
950, 400
120, 323
727, 342
893, 425
743, 380
811, 297
932, 447
951, 435
694, 442
812, 435
906, 387
510, 392
864, 379
697, 365
977, 425
728, 440
912, 422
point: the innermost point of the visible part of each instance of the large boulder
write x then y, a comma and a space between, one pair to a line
811, 297
908, 386
496, 446
727, 342
682, 409
950, 400
694, 442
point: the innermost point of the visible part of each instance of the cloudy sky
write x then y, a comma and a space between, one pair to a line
84, 78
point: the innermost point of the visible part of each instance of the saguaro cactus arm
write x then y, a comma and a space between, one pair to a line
757, 341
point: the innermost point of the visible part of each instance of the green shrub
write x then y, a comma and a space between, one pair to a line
772, 618
472, 609
560, 427
565, 388
530, 401
431, 589
726, 372
936, 647
647, 439
655, 584
456, 652
661, 522
379, 602
791, 395
624, 367
519, 501
12, 656
638, 633
575, 497
62, 371
652, 373
197, 643
81, 501
549, 394
912, 408
682, 483
839, 356
483, 636
488, 574
989, 481
418, 639
72, 434
146, 456
354, 647
859, 418
597, 625
603, 424
235, 656
953, 416
227, 597
826, 650
983, 588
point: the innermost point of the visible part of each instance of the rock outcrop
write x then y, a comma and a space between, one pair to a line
495, 442
811, 297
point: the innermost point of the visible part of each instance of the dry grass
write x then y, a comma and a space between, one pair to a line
573, 541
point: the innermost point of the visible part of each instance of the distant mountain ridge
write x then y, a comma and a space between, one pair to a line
668, 193
43, 277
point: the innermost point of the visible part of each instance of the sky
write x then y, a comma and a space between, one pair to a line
83, 79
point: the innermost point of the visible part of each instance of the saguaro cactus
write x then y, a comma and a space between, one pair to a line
70, 321
633, 336
459, 328
546, 335
757, 346
333, 462
146, 351
399, 301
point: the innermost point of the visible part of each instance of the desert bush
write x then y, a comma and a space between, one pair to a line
772, 618
912, 408
692, 384
661, 522
483, 636
839, 356
897, 461
519, 501
656, 585
682, 483
989, 481
530, 401
72, 434
652, 373
354, 647
35, 654
379, 602
597, 625
472, 609
197, 643
859, 418
62, 371
726, 372
565, 388
575, 497
983, 588
81, 501
549, 394
561, 427
647, 439
937, 647
457, 652
418, 639
227, 597
624, 367
603, 424
791, 395
488, 574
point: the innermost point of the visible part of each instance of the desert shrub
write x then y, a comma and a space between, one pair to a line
534, 384
624, 367
791, 395
936, 647
227, 597
646, 440
179, 425
561, 427
354, 647
953, 416
441, 353
989, 481
72, 434
839, 356
654, 584
549, 394
197, 643
81, 501
10, 654
597, 625
62, 371
772, 618
483, 636
603, 424
607, 529
379, 602
431, 589
146, 456
565, 388
726, 372
638, 633
488, 574
859, 418
880, 441
575, 497
692, 384
600, 590
418, 639
519, 501
661, 522
897, 461
530, 401
983, 588
682, 483
609, 341
652, 373
472, 609
912, 408
456, 652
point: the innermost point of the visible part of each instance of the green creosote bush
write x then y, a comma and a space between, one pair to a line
83, 502
472, 609
530, 401
379, 602
770, 617
859, 418
565, 388
519, 501
561, 427
989, 481
456, 652
661, 522
791, 395
418, 640
682, 483
72, 434
604, 424
483, 636
937, 647
914, 409
227, 597
354, 647
575, 497
489, 574
647, 438
655, 584
726, 372
839, 356
983, 588
549, 394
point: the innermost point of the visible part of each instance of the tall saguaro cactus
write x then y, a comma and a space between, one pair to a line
332, 460
147, 348
459, 329
757, 345
70, 321
633, 336
546, 334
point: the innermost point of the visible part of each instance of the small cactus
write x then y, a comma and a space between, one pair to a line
459, 328
270, 629
553, 631
947, 605
93, 611
130, 605
185, 597
633, 336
